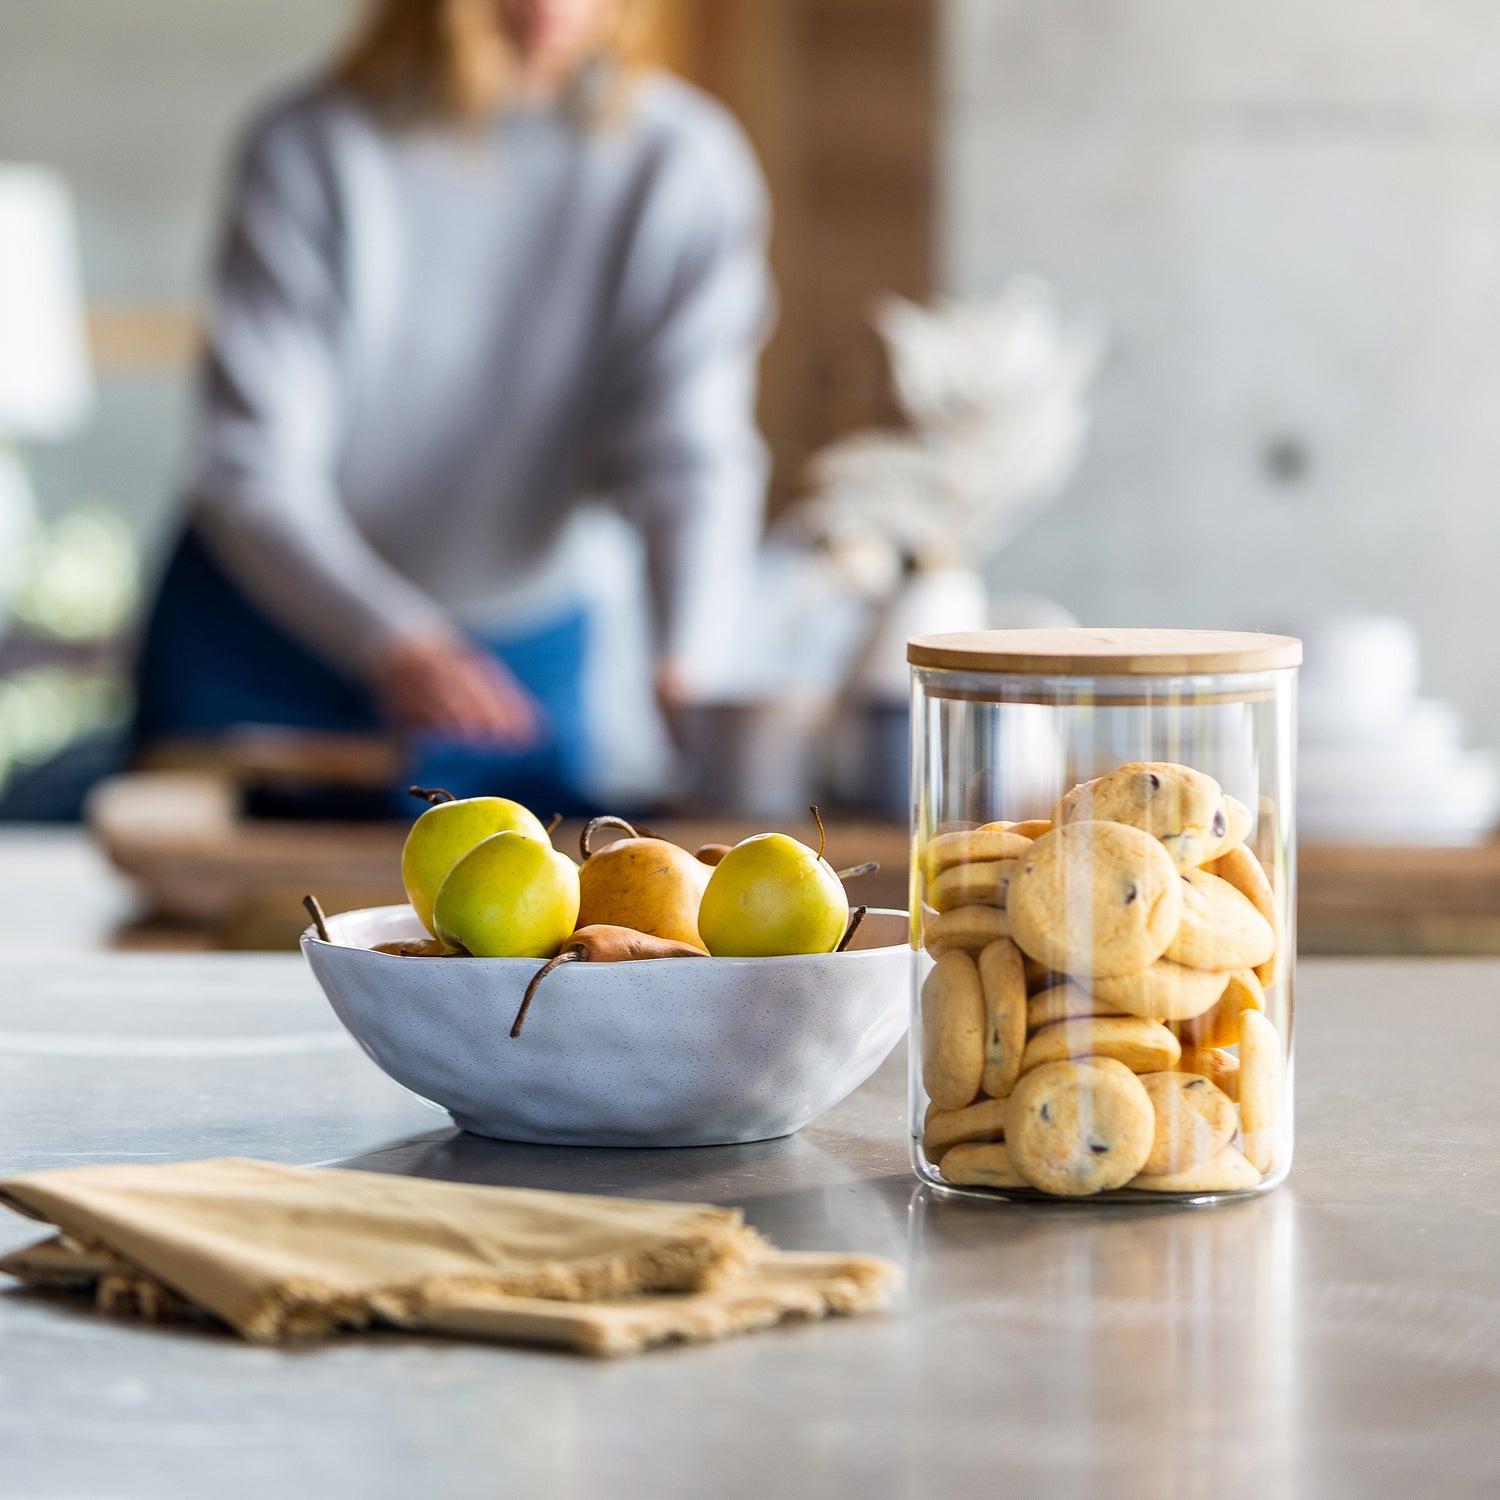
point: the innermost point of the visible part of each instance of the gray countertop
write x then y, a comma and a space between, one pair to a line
1340, 1337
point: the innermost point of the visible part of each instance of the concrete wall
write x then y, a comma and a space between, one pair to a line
1289, 210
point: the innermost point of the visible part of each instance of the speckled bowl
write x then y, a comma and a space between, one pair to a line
668, 1052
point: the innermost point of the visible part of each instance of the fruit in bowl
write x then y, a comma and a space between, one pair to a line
645, 884
510, 896
771, 895
447, 831
644, 1040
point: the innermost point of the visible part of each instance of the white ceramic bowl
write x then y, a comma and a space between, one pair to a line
667, 1052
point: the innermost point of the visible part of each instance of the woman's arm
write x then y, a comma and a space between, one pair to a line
264, 488
684, 458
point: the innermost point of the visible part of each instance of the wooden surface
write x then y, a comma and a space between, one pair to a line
199, 866
205, 876
839, 100
1112, 653
1399, 900
143, 338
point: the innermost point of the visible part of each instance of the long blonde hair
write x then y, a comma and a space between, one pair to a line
449, 62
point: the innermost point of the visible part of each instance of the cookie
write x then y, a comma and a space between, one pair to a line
970, 847
1038, 976
952, 1031
1095, 899
1220, 1068
1142, 1046
946, 1128
1032, 828
1225, 1172
1181, 807
1075, 1128
1240, 823
1165, 990
1002, 976
1260, 1089
1064, 1002
1220, 928
1220, 1025
981, 1166
1245, 873
972, 885
971, 928
1194, 1120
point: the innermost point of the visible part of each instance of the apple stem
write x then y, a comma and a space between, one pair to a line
431, 795
853, 927
607, 821
870, 867
822, 832
315, 911
555, 824
567, 956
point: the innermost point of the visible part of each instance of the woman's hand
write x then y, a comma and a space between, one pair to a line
672, 700
439, 681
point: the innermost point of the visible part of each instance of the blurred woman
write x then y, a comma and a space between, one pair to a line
479, 273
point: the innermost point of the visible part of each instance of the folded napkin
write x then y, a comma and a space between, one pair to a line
286, 1252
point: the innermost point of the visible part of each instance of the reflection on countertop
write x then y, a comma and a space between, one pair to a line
1334, 1338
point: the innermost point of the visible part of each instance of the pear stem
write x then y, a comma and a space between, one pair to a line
822, 832
607, 821
852, 928
567, 956
555, 824
315, 911
431, 795
870, 867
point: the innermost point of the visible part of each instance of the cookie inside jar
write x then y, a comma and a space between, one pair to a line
1115, 940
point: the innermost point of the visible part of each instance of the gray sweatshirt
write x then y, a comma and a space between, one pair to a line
425, 349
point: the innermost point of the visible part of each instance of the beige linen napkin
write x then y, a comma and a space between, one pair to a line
285, 1252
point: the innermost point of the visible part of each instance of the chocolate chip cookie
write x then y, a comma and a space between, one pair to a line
1075, 1128
1095, 898
1181, 807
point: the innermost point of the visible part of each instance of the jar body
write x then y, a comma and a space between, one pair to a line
1103, 919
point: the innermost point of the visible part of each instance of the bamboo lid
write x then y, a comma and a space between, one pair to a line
1105, 653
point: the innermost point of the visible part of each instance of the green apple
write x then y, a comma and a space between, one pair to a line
772, 895
510, 896
446, 832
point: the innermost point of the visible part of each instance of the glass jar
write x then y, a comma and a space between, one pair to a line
1103, 862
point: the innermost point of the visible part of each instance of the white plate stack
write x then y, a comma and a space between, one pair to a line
1377, 764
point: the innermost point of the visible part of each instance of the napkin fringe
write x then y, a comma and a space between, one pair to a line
88, 1269
864, 1285
781, 1288
778, 1288
305, 1309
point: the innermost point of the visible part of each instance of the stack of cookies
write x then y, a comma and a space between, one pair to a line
1091, 974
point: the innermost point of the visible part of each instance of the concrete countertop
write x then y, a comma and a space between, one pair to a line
1340, 1337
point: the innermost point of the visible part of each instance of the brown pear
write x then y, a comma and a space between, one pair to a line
646, 884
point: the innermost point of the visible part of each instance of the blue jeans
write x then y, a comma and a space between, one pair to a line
210, 660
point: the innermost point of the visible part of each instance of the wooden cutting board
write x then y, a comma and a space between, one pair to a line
1398, 899
199, 863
